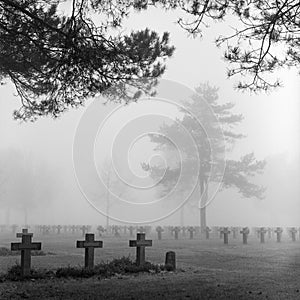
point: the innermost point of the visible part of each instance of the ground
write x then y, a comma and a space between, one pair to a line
205, 270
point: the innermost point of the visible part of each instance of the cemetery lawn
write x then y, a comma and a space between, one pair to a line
206, 270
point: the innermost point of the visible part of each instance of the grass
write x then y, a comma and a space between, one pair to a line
119, 266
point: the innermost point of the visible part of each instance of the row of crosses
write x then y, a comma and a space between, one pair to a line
89, 244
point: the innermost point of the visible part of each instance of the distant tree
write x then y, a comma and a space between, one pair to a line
57, 61
266, 36
27, 183
208, 140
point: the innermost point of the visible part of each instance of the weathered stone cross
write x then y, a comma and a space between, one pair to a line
262, 231
140, 245
26, 246
159, 230
245, 231
278, 232
191, 230
89, 244
225, 231
176, 230
207, 231
293, 232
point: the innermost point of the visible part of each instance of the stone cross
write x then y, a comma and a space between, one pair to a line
207, 231
293, 232
84, 229
269, 232
100, 230
262, 231
245, 231
191, 230
225, 231
278, 232
89, 244
234, 232
176, 230
58, 227
26, 246
140, 245
159, 230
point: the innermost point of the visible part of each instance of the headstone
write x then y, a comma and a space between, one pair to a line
270, 231
225, 231
191, 230
117, 231
140, 245
262, 231
176, 230
245, 231
26, 246
89, 244
171, 260
293, 232
159, 231
278, 232
207, 231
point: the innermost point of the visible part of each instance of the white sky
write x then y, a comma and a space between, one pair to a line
271, 121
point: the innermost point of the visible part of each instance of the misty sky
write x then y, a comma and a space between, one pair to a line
271, 123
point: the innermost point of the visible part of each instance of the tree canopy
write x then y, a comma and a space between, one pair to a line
213, 133
57, 59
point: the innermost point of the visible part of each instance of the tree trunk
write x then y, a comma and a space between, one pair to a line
203, 202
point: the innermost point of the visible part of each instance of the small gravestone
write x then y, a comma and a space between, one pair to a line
159, 231
207, 231
170, 261
176, 230
140, 245
293, 232
89, 244
262, 231
191, 230
278, 232
225, 232
26, 246
245, 231
220, 233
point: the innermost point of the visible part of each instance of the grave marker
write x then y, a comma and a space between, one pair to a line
140, 245
207, 231
278, 232
262, 231
245, 231
191, 230
84, 229
293, 232
176, 230
225, 232
25, 246
89, 244
159, 230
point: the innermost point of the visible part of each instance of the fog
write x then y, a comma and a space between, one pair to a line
38, 179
